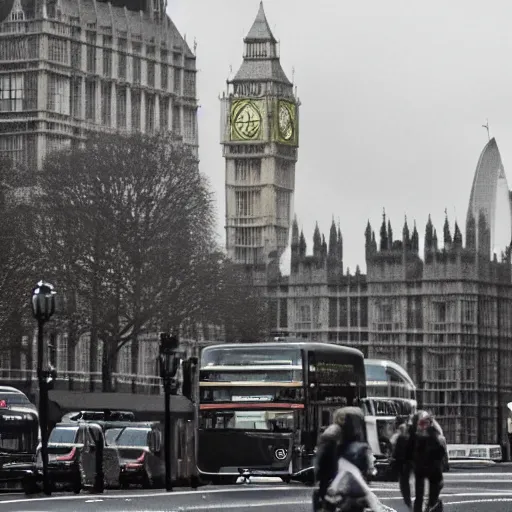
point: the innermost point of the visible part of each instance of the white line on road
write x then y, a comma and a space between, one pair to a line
155, 494
496, 500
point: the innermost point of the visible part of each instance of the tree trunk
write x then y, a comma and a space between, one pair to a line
108, 365
93, 340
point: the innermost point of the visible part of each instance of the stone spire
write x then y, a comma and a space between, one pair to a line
260, 30
302, 245
333, 241
447, 236
317, 242
406, 240
383, 234
415, 240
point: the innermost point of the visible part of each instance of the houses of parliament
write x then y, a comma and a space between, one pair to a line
445, 314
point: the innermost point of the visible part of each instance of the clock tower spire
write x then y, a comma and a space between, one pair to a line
259, 132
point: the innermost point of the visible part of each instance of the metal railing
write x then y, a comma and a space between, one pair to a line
88, 381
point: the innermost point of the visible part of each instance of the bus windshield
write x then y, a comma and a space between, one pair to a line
272, 421
18, 432
244, 355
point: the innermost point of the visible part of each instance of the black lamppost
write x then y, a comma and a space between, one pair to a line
169, 362
43, 307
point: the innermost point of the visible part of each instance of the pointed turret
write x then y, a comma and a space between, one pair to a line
324, 247
415, 240
406, 240
374, 243
383, 234
333, 241
317, 242
457, 237
390, 235
302, 245
260, 30
435, 245
261, 59
429, 236
340, 247
471, 231
447, 236
368, 239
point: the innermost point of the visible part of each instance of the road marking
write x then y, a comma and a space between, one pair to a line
456, 474
92, 501
477, 501
156, 494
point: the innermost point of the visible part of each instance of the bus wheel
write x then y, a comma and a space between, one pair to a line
194, 482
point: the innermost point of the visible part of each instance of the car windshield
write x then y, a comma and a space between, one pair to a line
133, 437
111, 435
64, 435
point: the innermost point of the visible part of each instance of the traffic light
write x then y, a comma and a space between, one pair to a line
169, 360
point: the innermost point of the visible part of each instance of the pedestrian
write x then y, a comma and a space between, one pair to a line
401, 459
428, 452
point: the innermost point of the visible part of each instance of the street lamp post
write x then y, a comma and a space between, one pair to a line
169, 362
43, 307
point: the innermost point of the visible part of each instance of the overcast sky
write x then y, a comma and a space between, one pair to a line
394, 95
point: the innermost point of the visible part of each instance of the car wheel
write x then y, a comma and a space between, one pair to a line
29, 485
76, 486
146, 482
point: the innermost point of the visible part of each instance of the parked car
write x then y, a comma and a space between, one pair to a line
72, 451
140, 452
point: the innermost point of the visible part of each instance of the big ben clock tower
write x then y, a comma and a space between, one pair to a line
259, 132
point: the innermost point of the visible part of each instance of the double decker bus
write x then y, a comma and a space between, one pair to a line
19, 436
262, 405
391, 395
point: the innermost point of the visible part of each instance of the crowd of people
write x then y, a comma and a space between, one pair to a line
344, 461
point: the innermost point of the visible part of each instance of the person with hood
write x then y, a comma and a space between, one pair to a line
343, 459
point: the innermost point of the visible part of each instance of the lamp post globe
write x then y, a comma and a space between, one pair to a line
43, 301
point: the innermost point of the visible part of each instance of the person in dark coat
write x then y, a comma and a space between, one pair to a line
428, 451
401, 463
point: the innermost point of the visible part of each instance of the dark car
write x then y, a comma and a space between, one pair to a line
72, 451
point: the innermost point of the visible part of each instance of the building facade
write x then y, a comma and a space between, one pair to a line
445, 317
259, 133
490, 196
68, 67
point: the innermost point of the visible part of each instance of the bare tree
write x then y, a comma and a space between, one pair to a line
138, 215
19, 257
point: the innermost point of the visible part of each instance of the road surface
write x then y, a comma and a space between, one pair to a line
464, 491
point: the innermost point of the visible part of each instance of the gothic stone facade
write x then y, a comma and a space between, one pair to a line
68, 67
447, 318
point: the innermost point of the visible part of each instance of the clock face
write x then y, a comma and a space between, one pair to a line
246, 120
285, 122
